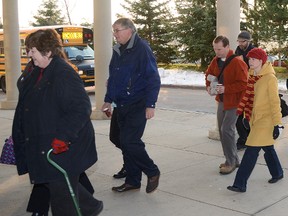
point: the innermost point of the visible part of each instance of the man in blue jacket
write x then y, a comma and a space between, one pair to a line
133, 85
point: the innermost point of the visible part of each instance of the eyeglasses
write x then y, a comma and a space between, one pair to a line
241, 41
118, 30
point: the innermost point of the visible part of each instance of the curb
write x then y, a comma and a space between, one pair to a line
184, 86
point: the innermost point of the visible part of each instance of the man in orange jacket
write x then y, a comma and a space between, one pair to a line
231, 73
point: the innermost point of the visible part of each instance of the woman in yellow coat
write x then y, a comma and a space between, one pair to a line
261, 106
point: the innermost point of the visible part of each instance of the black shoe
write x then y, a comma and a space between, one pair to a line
236, 189
99, 208
124, 187
40, 214
152, 183
274, 180
121, 174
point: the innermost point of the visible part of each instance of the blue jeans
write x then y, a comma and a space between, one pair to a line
132, 121
249, 161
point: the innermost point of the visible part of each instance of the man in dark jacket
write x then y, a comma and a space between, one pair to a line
244, 46
133, 85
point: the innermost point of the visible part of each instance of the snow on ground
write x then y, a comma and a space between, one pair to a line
188, 78
192, 78
181, 77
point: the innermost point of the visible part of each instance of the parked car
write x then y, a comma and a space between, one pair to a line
272, 58
282, 63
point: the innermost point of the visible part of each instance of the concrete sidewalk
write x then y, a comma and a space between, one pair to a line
190, 183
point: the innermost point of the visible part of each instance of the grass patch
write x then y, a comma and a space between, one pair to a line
281, 72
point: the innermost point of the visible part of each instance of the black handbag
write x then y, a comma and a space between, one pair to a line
7, 155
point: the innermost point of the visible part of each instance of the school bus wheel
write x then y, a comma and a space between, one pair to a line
3, 84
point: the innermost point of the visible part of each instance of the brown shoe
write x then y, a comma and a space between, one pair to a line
227, 169
223, 164
152, 183
124, 187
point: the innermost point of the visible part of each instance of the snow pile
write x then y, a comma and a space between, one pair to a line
181, 77
192, 78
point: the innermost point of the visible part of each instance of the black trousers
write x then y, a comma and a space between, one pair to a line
132, 121
40, 196
249, 161
242, 131
114, 133
62, 203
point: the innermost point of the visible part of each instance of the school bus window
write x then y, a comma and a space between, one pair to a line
23, 51
22, 42
1, 47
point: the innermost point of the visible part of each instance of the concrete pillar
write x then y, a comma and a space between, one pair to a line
12, 52
228, 24
103, 52
228, 20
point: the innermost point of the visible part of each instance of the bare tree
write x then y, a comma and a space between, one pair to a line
67, 11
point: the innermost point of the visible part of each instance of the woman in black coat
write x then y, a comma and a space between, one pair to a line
53, 111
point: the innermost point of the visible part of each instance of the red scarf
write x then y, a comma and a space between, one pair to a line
246, 103
40, 75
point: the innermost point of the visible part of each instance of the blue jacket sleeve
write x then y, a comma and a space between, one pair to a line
153, 79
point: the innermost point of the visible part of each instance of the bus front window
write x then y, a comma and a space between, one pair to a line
85, 51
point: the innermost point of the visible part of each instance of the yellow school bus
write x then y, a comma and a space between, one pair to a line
77, 41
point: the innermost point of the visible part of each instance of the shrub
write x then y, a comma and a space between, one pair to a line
281, 72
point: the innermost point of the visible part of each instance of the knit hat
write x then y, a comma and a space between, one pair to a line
258, 53
244, 35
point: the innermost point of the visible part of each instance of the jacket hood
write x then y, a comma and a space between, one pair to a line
267, 68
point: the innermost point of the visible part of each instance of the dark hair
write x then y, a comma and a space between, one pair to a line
245, 35
27, 40
222, 38
125, 22
45, 41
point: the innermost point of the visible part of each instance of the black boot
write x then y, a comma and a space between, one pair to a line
121, 174
39, 214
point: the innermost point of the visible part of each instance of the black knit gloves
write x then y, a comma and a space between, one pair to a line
277, 131
246, 123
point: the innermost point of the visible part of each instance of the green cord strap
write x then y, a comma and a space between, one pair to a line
67, 180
